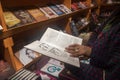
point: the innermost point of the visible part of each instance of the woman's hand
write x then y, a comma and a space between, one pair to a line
77, 50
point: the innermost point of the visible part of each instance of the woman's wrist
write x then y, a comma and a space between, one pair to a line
88, 51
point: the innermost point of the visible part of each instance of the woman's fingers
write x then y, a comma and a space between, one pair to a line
74, 45
72, 50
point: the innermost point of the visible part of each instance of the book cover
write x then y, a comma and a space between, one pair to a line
26, 55
53, 67
56, 9
64, 8
24, 16
10, 19
37, 14
48, 12
53, 44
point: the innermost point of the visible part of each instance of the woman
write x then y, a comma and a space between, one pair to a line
104, 51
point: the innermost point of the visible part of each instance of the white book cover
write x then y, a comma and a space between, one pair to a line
64, 8
48, 12
53, 44
52, 69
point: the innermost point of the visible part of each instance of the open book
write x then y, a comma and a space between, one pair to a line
53, 44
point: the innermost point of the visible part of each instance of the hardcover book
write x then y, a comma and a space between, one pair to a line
37, 14
53, 44
48, 12
64, 8
10, 19
26, 55
56, 9
53, 67
24, 16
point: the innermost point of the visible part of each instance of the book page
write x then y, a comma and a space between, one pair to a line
53, 44
59, 39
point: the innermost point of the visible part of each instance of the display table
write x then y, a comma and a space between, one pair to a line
36, 66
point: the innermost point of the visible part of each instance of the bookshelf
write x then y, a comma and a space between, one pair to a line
16, 37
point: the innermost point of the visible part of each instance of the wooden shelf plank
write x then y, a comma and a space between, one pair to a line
110, 5
37, 25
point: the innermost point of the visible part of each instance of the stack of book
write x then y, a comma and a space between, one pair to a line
24, 74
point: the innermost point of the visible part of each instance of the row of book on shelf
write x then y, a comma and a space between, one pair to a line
15, 18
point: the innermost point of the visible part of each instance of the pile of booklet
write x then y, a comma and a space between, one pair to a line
24, 74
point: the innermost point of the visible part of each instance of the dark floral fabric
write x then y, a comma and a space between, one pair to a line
105, 55
106, 49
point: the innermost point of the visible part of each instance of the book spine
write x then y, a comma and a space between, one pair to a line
55, 15
74, 29
44, 12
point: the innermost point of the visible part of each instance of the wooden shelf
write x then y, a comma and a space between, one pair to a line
8, 34
13, 31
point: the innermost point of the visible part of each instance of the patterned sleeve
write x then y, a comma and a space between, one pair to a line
94, 35
106, 51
